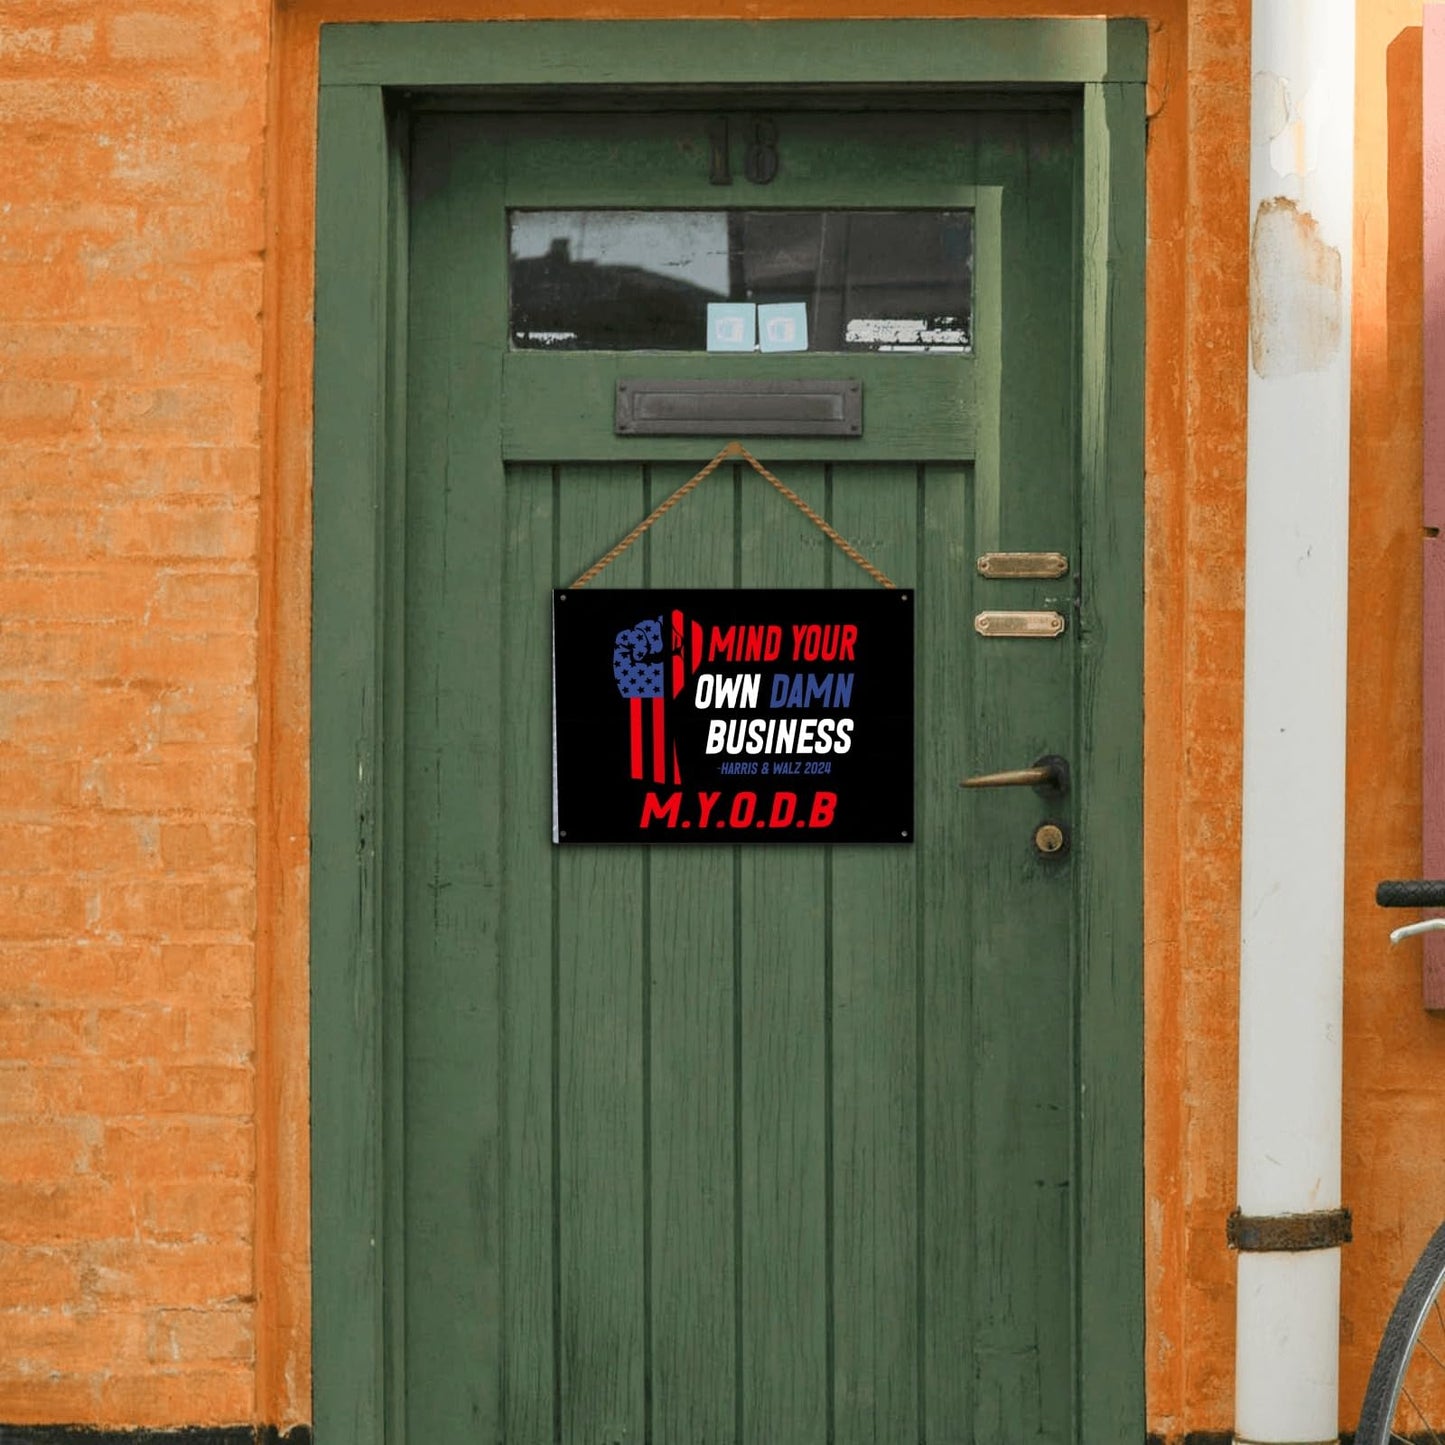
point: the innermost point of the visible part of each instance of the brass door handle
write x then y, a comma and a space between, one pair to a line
1050, 772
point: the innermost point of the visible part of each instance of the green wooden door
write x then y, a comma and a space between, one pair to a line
731, 1143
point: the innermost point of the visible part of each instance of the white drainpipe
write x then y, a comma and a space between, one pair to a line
1291, 897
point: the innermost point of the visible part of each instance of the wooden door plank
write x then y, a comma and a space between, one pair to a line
785, 1045
877, 1299
692, 967
445, 978
947, 854
1022, 1048
1110, 1366
600, 959
529, 1221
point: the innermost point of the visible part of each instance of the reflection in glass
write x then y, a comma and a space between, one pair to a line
642, 280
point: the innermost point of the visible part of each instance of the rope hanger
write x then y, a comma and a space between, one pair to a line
733, 449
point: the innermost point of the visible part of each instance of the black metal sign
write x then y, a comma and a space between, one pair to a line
691, 716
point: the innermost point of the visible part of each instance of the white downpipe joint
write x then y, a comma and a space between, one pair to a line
1296, 592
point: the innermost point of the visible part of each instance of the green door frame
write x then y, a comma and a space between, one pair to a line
371, 76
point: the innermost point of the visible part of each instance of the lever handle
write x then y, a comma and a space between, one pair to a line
1050, 771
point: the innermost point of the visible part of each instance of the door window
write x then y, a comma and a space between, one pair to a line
739, 280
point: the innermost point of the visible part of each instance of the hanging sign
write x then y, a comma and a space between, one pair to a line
691, 716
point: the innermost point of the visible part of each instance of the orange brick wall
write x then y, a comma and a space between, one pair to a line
155, 272
131, 235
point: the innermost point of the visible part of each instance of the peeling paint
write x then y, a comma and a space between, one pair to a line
1271, 104
1291, 127
1295, 281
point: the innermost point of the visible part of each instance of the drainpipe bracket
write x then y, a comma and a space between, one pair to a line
1288, 1233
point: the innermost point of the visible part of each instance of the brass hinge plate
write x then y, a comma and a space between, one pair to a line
1018, 624
1002, 566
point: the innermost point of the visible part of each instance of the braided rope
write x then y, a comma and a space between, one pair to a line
732, 449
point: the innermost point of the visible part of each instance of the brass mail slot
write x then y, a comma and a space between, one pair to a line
740, 408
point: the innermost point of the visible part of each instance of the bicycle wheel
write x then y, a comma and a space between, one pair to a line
1405, 1399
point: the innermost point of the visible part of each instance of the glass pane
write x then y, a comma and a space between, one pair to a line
742, 280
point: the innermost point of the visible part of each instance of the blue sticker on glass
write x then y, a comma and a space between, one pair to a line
784, 326
731, 325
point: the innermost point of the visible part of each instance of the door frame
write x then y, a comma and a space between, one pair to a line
371, 76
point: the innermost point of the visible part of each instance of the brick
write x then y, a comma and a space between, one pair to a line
37, 1032
44, 909
43, 1150
67, 104
30, 226
124, 655
208, 1089
38, 408
151, 36
219, 659
221, 718
176, 1274
177, 1149
31, 1276
41, 1399
186, 531
197, 1337
221, 412
84, 1090
37, 290
40, 48
124, 473
20, 1090
177, 1397
107, 845
198, 1209
57, 354
174, 780
77, 970
163, 168
36, 847
70, 1340
208, 351
227, 108
46, 478
31, 786
162, 908
194, 847
100, 594
70, 1212
210, 970
45, 534
215, 598
60, 720
140, 1031
221, 1033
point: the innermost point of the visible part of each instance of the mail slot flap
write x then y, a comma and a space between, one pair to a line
830, 408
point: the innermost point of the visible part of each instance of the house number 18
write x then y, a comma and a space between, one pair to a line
760, 159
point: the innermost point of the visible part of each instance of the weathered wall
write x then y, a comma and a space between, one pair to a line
130, 357
154, 376
1394, 1177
